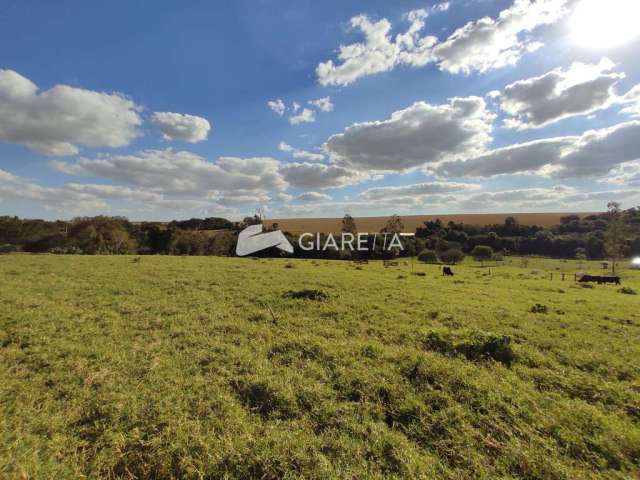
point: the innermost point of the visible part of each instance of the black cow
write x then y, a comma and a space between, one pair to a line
599, 279
447, 271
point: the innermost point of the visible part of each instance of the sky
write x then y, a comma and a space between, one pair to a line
172, 110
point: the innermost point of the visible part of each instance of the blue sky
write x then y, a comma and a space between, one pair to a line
160, 112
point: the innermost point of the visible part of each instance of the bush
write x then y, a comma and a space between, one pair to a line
428, 256
452, 256
481, 253
8, 248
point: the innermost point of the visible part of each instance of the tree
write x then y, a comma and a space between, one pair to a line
349, 224
615, 237
102, 235
481, 253
452, 256
394, 225
581, 255
428, 256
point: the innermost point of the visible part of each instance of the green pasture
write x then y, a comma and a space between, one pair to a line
162, 367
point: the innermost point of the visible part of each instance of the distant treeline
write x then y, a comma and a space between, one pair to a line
575, 237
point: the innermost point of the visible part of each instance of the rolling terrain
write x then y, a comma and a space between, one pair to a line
163, 367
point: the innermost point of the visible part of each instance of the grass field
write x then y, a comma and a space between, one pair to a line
203, 367
411, 222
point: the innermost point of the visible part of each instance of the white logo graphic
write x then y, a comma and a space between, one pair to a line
251, 240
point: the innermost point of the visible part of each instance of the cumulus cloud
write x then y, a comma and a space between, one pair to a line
59, 120
379, 52
579, 90
313, 197
478, 46
421, 134
594, 153
183, 127
306, 115
185, 172
518, 158
73, 197
277, 106
317, 175
323, 104
488, 43
300, 154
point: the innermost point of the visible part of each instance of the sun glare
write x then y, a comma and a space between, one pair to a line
605, 24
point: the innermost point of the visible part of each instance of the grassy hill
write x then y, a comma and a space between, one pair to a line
207, 367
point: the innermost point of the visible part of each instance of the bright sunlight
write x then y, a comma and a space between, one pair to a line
602, 25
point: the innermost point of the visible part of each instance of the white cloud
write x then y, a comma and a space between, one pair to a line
283, 197
518, 158
300, 154
594, 153
277, 106
306, 115
417, 190
323, 104
184, 172
317, 175
59, 120
379, 52
313, 197
184, 127
6, 176
441, 7
480, 45
488, 43
579, 90
421, 134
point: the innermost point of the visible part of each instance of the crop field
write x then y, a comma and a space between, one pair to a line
411, 222
161, 367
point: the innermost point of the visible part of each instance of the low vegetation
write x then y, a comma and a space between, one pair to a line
209, 367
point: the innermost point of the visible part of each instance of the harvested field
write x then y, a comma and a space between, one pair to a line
411, 222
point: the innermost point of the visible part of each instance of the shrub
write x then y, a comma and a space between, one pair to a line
481, 253
8, 248
627, 291
428, 256
452, 256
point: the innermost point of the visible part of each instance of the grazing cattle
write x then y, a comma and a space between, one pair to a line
599, 279
447, 271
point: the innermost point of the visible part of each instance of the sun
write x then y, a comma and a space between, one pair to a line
605, 24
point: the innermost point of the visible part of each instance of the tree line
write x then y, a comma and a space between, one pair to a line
613, 234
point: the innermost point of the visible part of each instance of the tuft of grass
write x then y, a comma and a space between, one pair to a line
627, 291
307, 294
539, 308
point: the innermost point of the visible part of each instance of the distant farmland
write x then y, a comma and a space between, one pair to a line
374, 224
